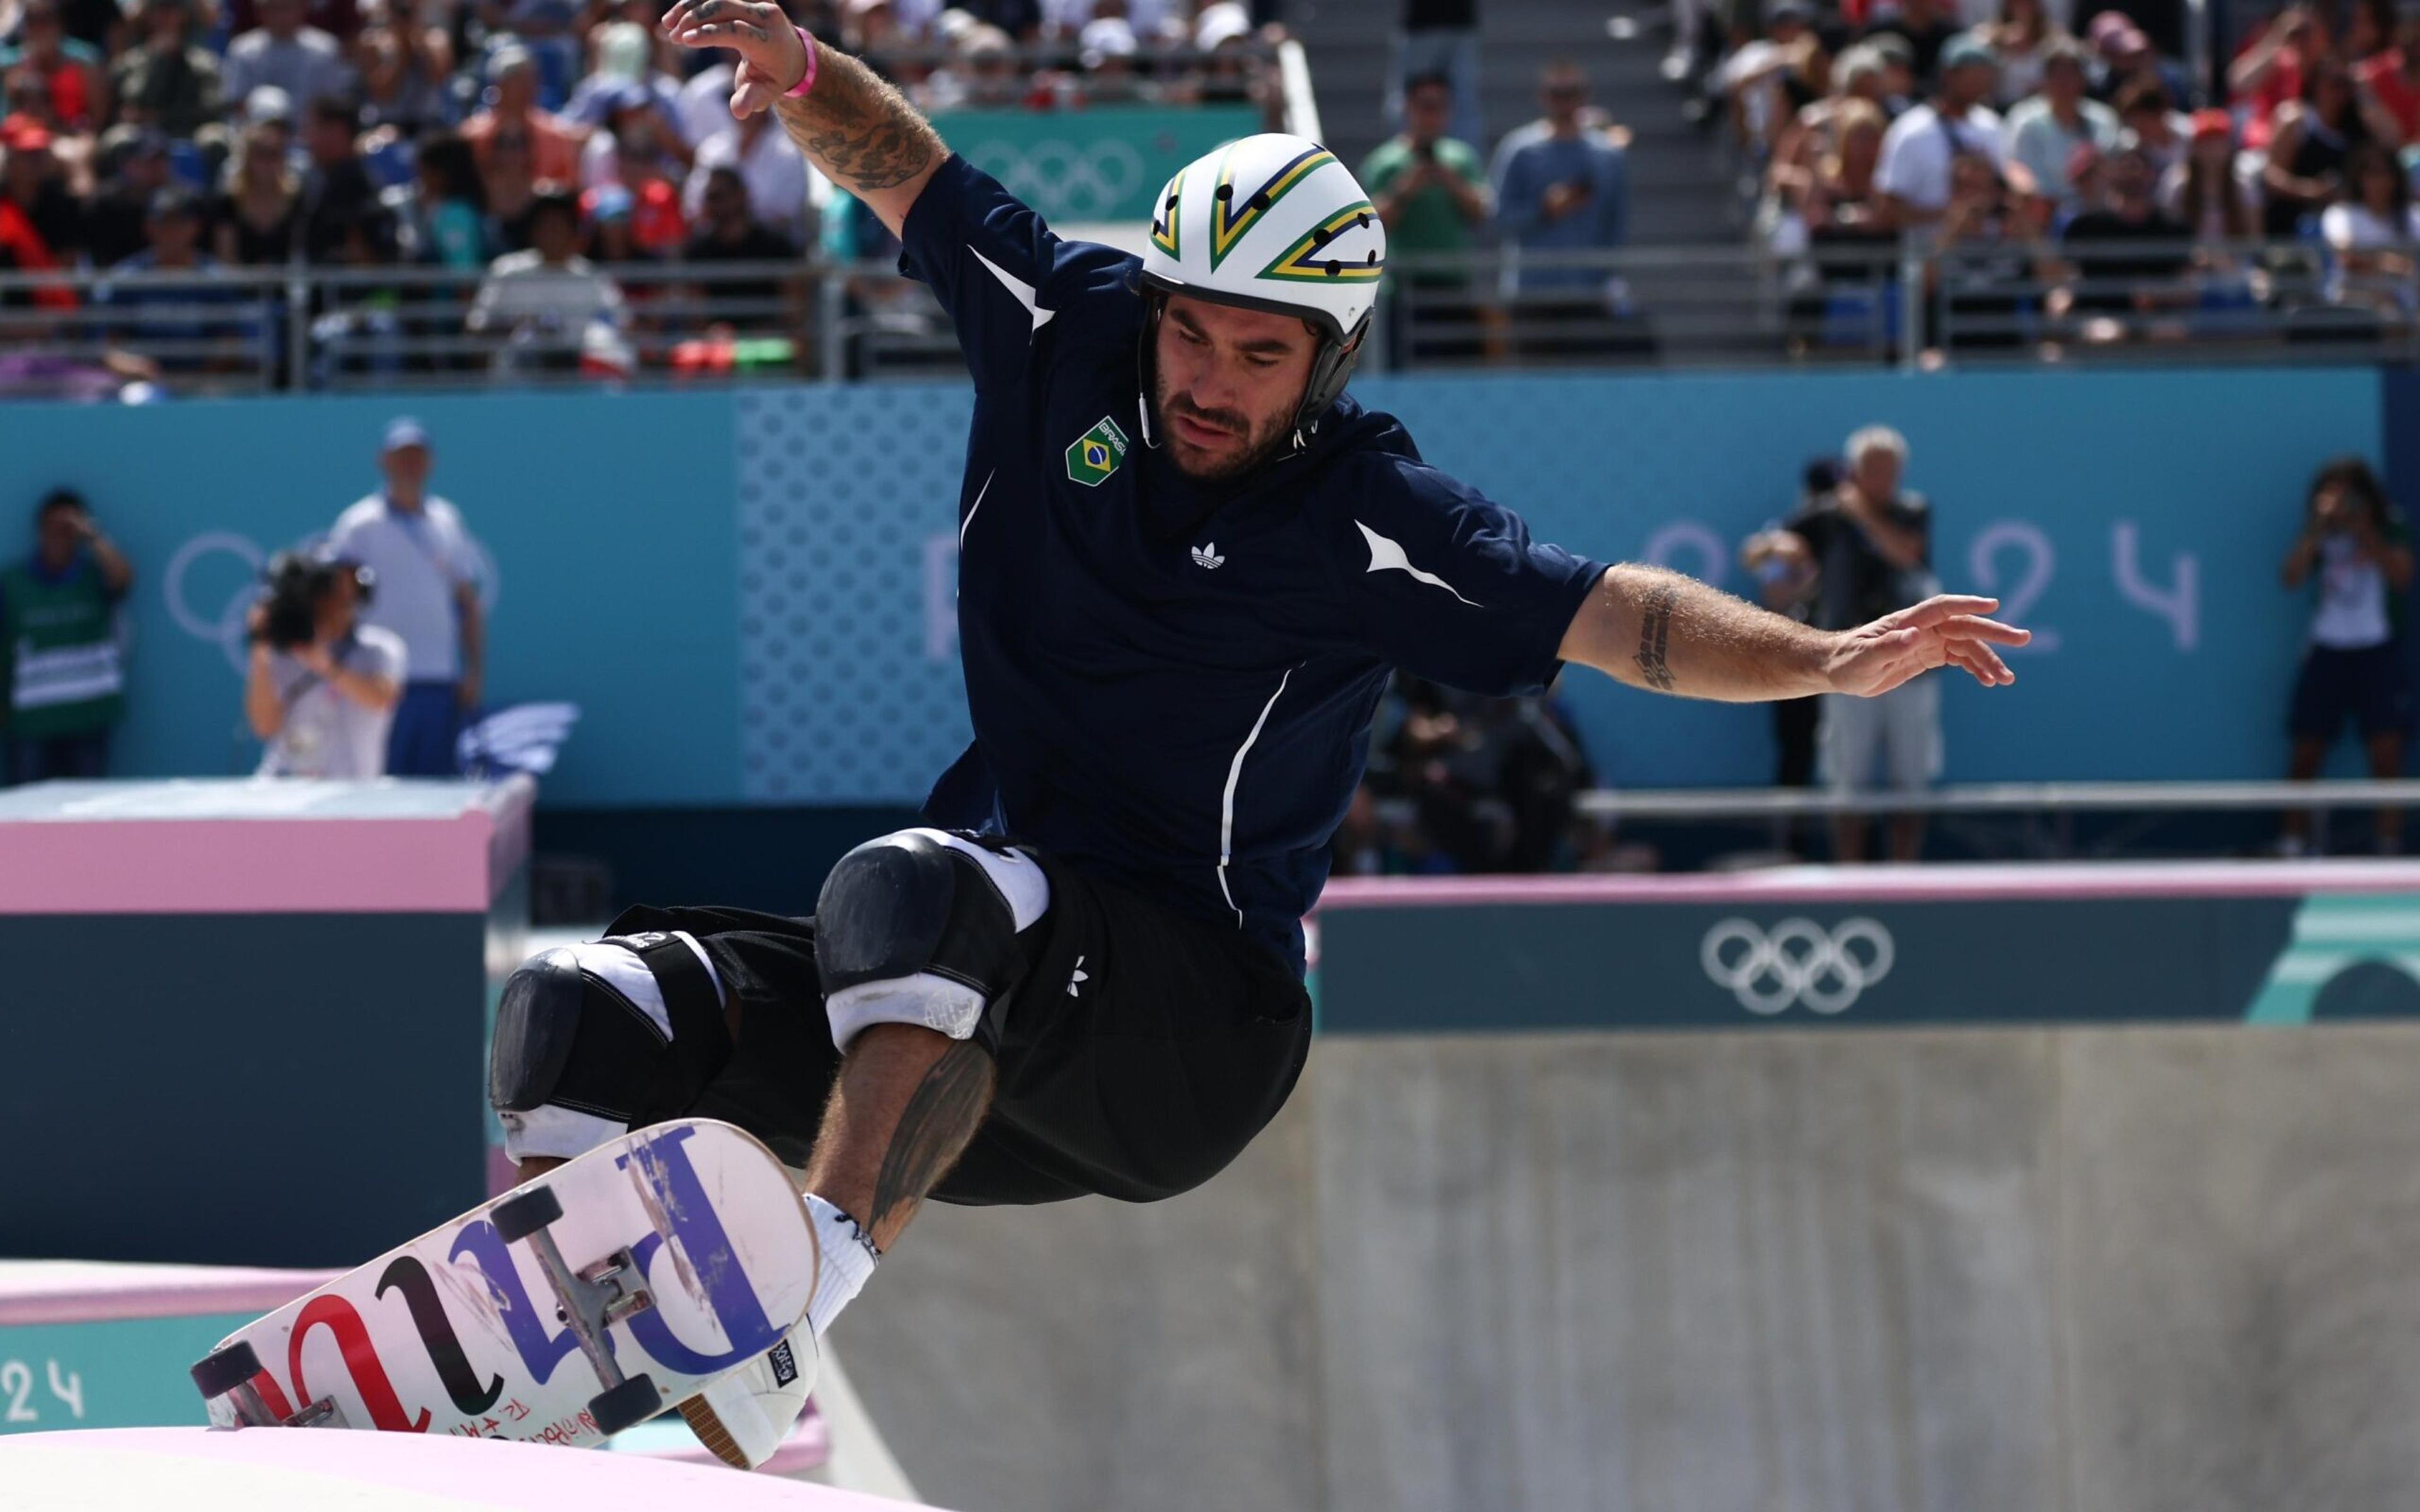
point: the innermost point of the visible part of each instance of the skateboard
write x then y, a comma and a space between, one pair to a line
664, 1259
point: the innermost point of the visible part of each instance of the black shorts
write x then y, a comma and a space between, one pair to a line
2367, 687
1140, 1054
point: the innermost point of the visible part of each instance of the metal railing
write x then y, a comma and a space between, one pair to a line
254, 329
1905, 304
2035, 820
2048, 808
250, 329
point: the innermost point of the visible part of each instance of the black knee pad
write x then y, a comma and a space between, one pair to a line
906, 906
566, 1036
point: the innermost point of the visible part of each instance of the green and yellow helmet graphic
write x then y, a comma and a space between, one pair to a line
1270, 221
1163, 218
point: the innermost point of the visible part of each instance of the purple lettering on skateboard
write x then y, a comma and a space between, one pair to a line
539, 1349
361, 1359
656, 1336
409, 1276
666, 1169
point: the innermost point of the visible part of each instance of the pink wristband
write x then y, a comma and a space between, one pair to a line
806, 81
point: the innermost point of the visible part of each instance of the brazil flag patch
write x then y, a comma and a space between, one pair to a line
1095, 455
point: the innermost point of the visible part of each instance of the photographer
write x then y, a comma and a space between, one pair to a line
2354, 542
1865, 548
322, 686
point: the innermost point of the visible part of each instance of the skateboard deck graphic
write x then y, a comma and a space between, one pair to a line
579, 1304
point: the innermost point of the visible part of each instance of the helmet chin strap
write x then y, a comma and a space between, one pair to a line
1155, 305
1330, 371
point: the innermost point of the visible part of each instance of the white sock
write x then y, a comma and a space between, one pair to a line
847, 1258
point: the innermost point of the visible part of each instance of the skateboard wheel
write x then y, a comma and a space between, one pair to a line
525, 1212
633, 1401
223, 1370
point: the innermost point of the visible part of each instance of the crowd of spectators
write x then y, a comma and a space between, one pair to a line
2052, 164
1554, 196
535, 146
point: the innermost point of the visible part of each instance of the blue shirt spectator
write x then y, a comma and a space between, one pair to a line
427, 572
182, 315
303, 61
1562, 184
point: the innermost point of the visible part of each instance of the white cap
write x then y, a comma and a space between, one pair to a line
622, 51
268, 103
403, 431
1220, 22
1106, 37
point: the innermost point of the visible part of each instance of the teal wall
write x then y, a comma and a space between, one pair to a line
749, 592
120, 1374
610, 520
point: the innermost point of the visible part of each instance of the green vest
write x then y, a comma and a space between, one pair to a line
67, 675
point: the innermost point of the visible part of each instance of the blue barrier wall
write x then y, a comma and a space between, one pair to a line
609, 520
750, 593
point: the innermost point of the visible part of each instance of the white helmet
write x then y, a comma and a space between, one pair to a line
1275, 222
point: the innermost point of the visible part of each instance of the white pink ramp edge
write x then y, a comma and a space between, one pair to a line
205, 1469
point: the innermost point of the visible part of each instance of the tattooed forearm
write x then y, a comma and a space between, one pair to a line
1654, 628
933, 1130
859, 130
1656, 635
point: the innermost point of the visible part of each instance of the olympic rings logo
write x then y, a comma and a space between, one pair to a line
227, 627
1799, 962
1094, 182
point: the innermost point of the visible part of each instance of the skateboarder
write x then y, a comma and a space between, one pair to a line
1189, 563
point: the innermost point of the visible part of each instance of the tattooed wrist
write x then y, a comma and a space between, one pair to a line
855, 127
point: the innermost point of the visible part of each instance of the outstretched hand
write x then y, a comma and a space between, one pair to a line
1946, 630
772, 59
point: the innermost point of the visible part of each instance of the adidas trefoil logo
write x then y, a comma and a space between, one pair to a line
1079, 979
1206, 557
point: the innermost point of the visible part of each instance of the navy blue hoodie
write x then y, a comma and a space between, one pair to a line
1172, 683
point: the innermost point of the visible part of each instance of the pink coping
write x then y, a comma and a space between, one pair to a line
493, 1473
297, 864
2037, 881
91, 1291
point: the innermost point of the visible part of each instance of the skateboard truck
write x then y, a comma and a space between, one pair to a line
230, 1372
591, 1300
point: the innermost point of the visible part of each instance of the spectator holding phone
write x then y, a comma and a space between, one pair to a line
1431, 191
2355, 546
1562, 185
1865, 548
